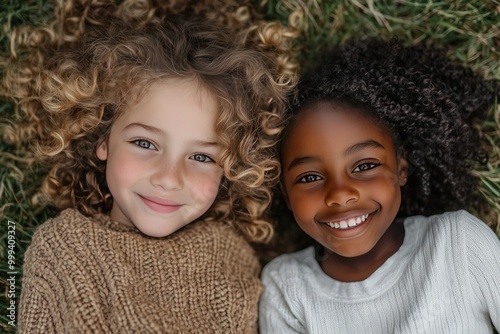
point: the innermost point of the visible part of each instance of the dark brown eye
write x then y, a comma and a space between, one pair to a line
309, 178
365, 166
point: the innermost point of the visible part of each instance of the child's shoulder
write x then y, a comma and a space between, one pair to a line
68, 227
67, 222
451, 221
289, 265
460, 226
453, 217
62, 238
63, 219
215, 239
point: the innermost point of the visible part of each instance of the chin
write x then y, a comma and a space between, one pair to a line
156, 233
350, 253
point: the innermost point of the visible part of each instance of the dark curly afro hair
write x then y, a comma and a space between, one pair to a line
427, 102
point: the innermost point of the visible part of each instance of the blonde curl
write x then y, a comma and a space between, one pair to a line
71, 79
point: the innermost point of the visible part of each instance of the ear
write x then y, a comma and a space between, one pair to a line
402, 171
285, 196
102, 150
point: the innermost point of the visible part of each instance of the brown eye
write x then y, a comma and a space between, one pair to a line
365, 166
310, 178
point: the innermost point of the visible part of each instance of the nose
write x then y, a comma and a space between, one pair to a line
168, 176
341, 193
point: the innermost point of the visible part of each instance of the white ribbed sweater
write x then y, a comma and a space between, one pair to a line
445, 278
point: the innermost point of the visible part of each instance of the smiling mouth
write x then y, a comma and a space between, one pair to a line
347, 224
160, 205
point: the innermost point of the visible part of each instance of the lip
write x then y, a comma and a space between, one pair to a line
348, 232
160, 205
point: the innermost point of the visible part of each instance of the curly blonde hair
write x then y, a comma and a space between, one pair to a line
72, 79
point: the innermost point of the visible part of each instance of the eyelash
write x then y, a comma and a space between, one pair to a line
304, 178
371, 165
205, 158
139, 141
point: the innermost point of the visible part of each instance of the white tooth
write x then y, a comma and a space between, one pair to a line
330, 224
352, 222
336, 225
358, 220
343, 224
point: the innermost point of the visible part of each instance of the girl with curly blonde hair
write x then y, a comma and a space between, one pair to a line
160, 134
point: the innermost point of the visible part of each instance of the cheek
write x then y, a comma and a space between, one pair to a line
386, 191
386, 186
303, 207
122, 168
392, 183
205, 187
304, 212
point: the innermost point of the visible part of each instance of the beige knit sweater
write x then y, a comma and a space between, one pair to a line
84, 275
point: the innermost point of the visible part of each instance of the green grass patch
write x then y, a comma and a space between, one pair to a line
469, 29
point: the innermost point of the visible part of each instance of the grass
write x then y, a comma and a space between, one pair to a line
469, 29
15, 189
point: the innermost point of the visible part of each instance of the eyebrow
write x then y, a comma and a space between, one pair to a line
144, 126
350, 150
361, 146
301, 160
206, 143
160, 132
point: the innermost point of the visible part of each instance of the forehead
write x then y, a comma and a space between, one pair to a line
175, 104
331, 127
174, 109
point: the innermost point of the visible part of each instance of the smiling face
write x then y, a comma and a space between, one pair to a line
161, 158
341, 177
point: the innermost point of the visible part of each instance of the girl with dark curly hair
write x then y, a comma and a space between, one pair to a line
160, 136
379, 148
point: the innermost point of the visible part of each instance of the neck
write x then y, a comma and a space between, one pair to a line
353, 269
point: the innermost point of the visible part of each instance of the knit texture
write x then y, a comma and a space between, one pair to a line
84, 275
443, 279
